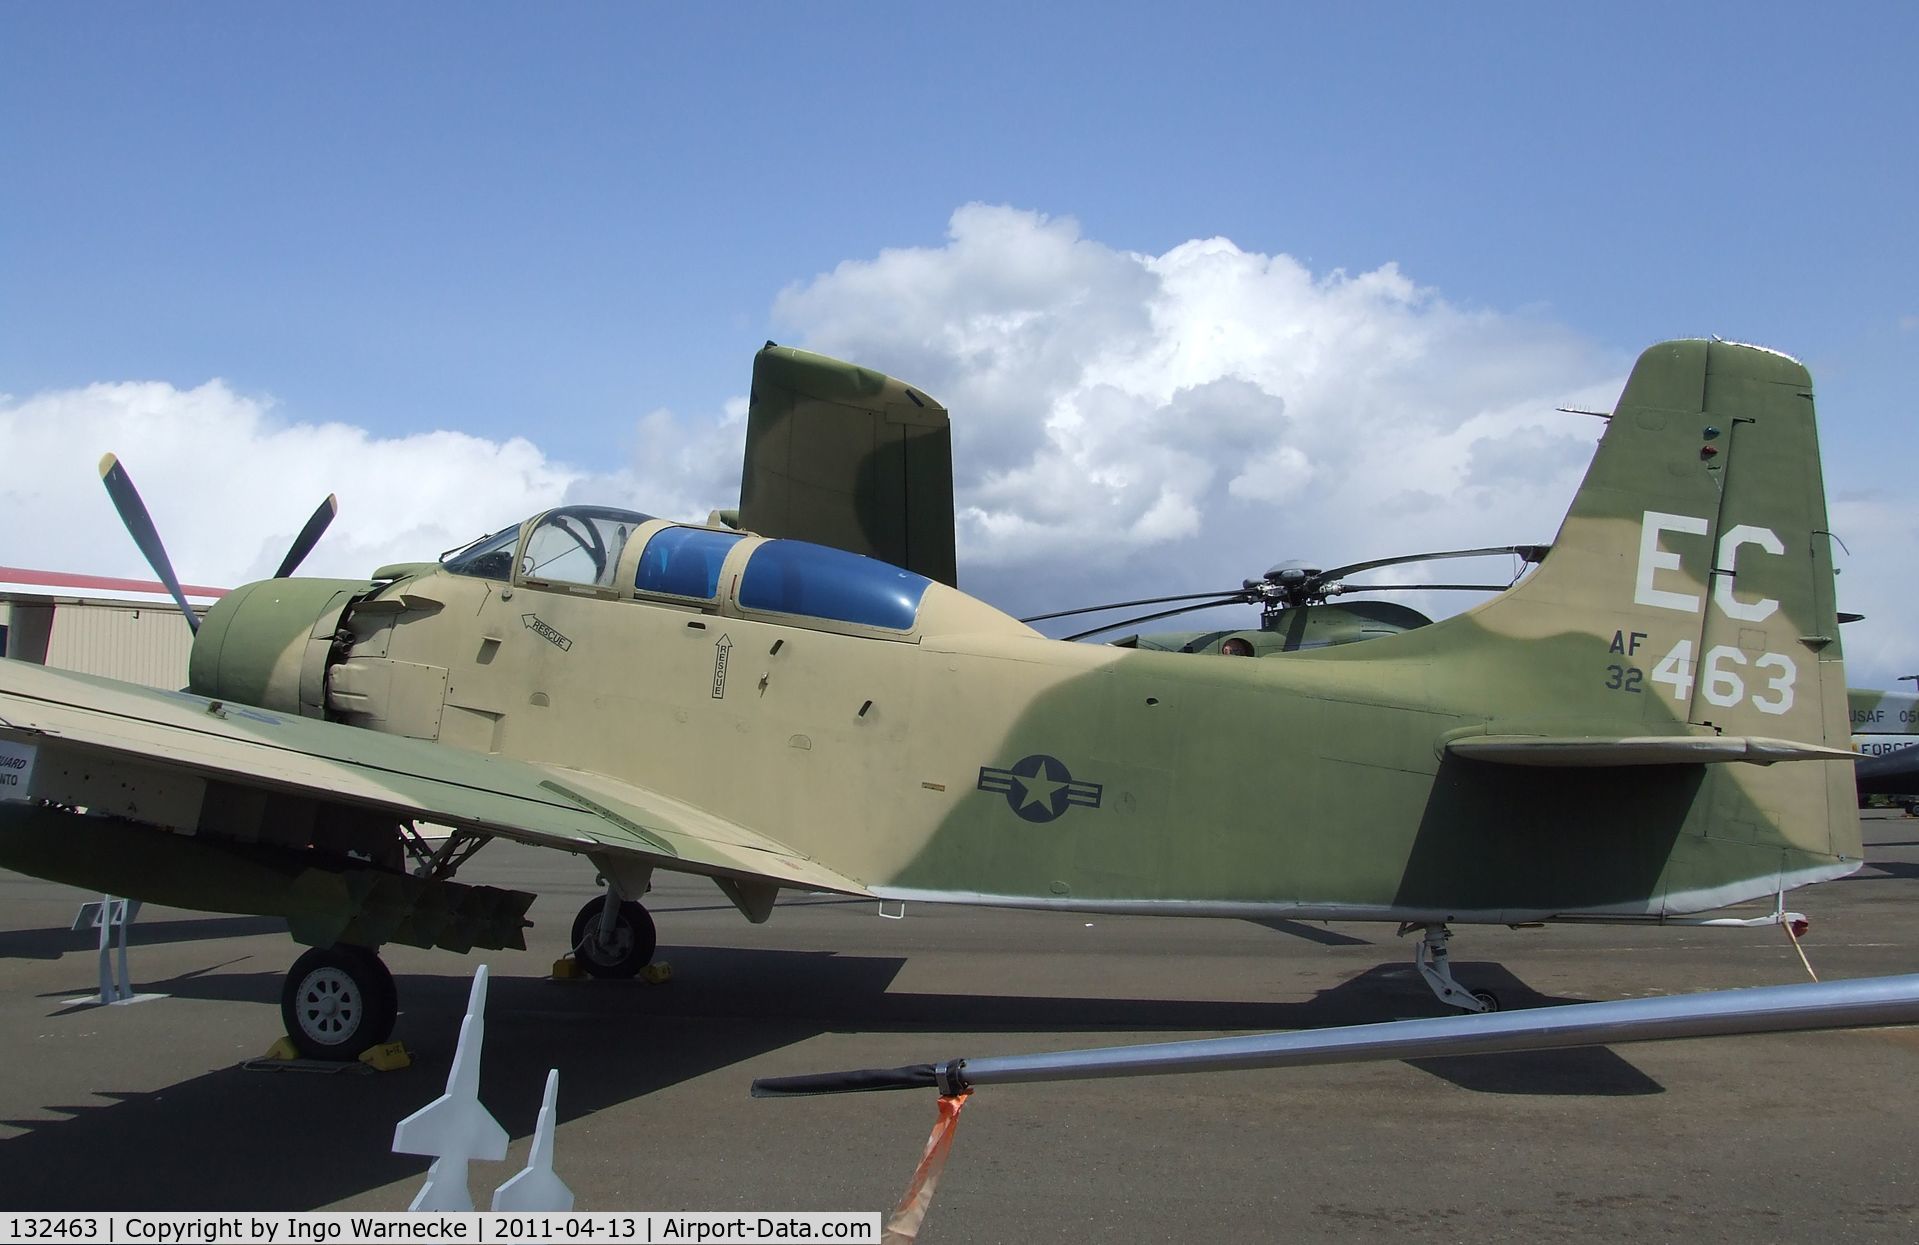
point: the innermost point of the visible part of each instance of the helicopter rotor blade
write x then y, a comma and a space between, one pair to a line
1127, 622
309, 536
139, 525
1531, 553
1225, 598
1346, 588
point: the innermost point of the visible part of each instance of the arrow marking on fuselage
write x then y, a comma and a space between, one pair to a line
545, 632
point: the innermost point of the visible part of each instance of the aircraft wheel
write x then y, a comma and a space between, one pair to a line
1487, 997
627, 952
338, 1002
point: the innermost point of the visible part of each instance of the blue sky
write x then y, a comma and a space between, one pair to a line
558, 222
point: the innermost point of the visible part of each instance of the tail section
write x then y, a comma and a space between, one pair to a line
1685, 614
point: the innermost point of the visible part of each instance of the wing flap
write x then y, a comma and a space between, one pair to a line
410, 778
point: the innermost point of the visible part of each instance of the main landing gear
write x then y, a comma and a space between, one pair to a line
613, 937
1435, 965
338, 1002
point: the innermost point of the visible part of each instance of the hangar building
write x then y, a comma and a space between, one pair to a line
121, 628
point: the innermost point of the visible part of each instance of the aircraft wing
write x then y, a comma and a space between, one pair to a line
75, 716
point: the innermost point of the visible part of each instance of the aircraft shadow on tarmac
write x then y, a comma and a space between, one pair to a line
1324, 935
240, 1140
51, 944
1876, 870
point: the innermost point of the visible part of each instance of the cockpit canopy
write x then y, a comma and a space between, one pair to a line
684, 562
573, 544
579, 544
817, 581
583, 546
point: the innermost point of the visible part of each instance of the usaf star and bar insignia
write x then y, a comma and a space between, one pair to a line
1039, 788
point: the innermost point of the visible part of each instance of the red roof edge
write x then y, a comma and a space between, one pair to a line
98, 583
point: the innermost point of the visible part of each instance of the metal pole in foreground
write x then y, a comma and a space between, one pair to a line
1767, 1009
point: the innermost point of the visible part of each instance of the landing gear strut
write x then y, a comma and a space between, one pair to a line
613, 937
338, 1002
1435, 965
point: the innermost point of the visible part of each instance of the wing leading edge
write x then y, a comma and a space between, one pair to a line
74, 717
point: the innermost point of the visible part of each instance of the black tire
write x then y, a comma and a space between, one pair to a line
389, 999
634, 940
338, 1002
1487, 997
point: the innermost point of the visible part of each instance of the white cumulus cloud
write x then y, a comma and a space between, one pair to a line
1129, 424
229, 479
229, 483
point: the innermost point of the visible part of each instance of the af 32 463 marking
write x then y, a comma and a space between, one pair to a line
1723, 685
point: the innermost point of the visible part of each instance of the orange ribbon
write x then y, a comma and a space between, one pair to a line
903, 1227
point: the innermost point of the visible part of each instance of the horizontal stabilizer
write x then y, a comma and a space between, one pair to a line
1603, 751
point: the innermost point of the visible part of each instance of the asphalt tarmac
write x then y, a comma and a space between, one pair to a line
1793, 1137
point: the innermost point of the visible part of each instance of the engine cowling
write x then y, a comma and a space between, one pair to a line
266, 643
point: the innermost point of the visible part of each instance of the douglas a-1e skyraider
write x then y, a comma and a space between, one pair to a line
1651, 724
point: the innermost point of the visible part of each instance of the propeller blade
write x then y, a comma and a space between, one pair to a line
1531, 553
1225, 598
133, 513
1846, 618
1127, 622
309, 536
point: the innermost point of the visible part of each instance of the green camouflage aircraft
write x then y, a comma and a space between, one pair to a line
1640, 730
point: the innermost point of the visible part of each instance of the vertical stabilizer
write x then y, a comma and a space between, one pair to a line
1698, 545
1689, 594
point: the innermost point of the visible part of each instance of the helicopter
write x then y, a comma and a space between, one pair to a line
1296, 607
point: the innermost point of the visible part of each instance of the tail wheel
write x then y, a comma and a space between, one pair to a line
338, 1002
623, 954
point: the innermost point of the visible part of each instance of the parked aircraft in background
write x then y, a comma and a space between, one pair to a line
1884, 726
